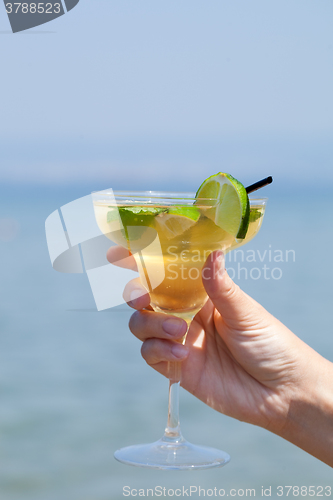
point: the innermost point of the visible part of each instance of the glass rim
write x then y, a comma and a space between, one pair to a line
162, 195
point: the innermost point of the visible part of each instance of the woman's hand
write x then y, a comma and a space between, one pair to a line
242, 361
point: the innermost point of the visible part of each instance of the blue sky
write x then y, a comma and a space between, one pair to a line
129, 93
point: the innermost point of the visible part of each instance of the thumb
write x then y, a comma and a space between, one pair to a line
233, 304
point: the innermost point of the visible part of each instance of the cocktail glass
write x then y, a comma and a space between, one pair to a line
170, 251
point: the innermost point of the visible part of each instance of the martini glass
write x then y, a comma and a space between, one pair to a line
171, 236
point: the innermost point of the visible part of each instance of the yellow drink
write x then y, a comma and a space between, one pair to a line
171, 250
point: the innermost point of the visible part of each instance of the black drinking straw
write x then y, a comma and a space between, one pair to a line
259, 184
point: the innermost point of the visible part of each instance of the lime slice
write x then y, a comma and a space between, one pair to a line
178, 220
139, 216
255, 214
135, 224
190, 212
232, 209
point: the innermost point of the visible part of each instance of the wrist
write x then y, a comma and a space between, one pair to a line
309, 420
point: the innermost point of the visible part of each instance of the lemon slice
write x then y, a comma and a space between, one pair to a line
177, 220
232, 208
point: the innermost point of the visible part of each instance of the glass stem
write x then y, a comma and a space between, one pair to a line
172, 431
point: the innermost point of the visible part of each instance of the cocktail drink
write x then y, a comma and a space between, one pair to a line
184, 243
171, 235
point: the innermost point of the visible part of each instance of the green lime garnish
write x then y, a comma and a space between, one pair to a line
139, 216
135, 220
231, 210
190, 212
255, 214
173, 220
134, 216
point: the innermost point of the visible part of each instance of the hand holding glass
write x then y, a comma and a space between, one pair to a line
170, 250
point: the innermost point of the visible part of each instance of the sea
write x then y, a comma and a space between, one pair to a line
74, 388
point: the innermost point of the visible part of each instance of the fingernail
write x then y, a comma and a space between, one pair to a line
174, 326
179, 351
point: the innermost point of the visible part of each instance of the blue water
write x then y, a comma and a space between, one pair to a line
73, 385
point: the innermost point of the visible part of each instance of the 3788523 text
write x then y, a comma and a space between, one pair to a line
33, 8
297, 491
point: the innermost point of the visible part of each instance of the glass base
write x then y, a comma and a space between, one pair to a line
179, 455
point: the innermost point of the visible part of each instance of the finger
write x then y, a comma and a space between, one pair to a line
234, 305
160, 354
136, 295
121, 257
155, 351
147, 324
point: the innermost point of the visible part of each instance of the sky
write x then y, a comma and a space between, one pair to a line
156, 94
138, 94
